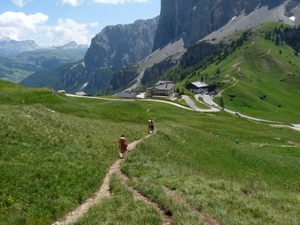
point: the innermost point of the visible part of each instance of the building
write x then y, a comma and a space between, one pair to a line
197, 87
80, 93
161, 88
126, 94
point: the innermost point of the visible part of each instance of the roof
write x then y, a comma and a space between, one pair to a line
164, 85
162, 82
126, 94
199, 84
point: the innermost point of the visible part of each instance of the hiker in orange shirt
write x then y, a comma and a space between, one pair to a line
123, 146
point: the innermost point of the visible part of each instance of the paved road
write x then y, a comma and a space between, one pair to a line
192, 104
208, 100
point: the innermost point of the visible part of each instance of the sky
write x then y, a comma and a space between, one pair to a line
57, 22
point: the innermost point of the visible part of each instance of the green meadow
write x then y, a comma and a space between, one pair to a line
267, 74
55, 151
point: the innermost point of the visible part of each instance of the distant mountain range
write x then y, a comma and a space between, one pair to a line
10, 47
185, 33
13, 47
18, 59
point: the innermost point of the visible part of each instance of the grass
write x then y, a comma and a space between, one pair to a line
267, 74
235, 183
46, 153
120, 207
55, 151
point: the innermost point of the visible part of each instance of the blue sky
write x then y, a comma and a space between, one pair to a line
57, 22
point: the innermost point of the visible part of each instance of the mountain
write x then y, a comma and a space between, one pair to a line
111, 49
13, 47
17, 67
185, 33
205, 24
199, 18
117, 46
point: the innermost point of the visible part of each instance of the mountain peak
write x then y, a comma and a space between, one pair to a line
71, 44
12, 47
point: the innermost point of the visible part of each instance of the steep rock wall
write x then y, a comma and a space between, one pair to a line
119, 45
198, 18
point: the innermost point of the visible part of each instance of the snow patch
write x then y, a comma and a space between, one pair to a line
83, 86
292, 18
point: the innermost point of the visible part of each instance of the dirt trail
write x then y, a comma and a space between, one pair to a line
104, 192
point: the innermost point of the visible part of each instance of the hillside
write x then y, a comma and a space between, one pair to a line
55, 152
257, 77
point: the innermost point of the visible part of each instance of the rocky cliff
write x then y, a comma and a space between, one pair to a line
199, 18
205, 23
117, 46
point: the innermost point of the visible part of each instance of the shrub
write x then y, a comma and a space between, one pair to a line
232, 95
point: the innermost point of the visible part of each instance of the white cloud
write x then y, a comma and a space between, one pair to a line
20, 3
120, 1
72, 2
67, 30
17, 25
79, 2
95, 24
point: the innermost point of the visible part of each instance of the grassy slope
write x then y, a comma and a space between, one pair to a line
50, 162
274, 75
55, 151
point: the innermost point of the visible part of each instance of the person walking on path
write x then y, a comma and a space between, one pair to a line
151, 126
123, 146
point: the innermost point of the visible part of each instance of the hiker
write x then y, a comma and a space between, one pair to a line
151, 125
123, 146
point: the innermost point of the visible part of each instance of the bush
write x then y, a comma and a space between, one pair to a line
232, 95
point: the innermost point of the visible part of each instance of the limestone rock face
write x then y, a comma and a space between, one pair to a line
119, 45
198, 18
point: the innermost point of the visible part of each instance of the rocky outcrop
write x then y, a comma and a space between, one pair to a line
117, 46
198, 18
